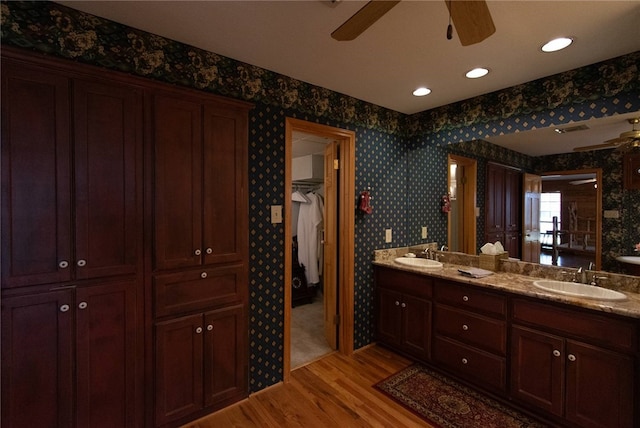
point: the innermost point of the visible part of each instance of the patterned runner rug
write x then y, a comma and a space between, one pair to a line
448, 404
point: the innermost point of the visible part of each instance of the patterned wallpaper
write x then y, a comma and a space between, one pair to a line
401, 159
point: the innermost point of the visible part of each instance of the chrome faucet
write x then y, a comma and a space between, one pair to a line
444, 248
428, 252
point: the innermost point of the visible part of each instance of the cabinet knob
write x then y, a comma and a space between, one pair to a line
197, 252
571, 357
63, 264
397, 303
203, 275
81, 263
556, 353
199, 330
209, 250
404, 305
465, 298
465, 327
82, 305
64, 308
465, 361
209, 327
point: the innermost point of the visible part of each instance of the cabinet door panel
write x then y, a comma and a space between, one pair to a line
106, 355
225, 365
495, 203
537, 369
225, 189
36, 180
416, 325
599, 387
107, 123
177, 134
37, 360
178, 372
389, 317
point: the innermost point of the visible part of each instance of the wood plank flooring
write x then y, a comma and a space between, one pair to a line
335, 391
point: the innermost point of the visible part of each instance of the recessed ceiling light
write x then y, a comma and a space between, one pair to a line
477, 72
557, 44
421, 92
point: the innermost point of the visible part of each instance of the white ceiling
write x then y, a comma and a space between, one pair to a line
405, 49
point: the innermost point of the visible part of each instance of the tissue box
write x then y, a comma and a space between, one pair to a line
492, 261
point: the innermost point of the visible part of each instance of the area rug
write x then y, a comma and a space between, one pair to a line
448, 404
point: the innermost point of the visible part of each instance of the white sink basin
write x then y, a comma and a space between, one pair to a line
634, 260
418, 262
579, 290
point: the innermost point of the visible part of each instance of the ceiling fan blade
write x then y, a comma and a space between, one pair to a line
472, 20
362, 19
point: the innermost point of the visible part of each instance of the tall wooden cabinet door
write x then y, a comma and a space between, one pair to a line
178, 368
389, 329
177, 136
225, 189
107, 130
537, 369
37, 360
36, 177
494, 221
225, 360
512, 192
106, 355
599, 387
416, 326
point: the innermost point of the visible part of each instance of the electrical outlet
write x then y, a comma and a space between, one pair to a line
424, 232
388, 237
276, 214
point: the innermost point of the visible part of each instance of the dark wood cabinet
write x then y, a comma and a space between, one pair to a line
62, 345
200, 162
404, 309
71, 177
503, 207
560, 365
199, 362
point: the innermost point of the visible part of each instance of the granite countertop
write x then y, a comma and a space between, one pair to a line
521, 284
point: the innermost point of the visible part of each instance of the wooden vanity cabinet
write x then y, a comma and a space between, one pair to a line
470, 333
572, 364
404, 312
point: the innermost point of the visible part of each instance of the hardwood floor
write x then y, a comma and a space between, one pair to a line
334, 391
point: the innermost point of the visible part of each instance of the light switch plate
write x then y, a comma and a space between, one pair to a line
424, 232
611, 214
388, 236
276, 214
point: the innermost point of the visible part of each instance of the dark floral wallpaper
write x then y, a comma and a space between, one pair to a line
401, 158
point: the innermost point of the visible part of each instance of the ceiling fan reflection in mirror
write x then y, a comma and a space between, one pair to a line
626, 141
471, 19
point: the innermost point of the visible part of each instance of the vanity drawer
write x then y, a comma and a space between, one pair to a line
471, 299
605, 330
484, 369
404, 282
482, 332
176, 293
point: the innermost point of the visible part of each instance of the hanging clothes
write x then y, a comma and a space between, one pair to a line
310, 224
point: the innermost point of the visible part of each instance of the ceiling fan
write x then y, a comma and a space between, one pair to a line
471, 18
626, 141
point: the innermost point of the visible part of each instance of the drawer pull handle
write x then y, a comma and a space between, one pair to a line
465, 327
199, 330
82, 263
556, 353
64, 308
63, 264
197, 252
465, 361
404, 305
465, 298
82, 305
203, 275
209, 327
209, 250
397, 303
571, 357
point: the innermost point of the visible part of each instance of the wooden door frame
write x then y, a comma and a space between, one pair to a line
469, 202
346, 234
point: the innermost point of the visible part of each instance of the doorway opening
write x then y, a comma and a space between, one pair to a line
462, 213
334, 184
